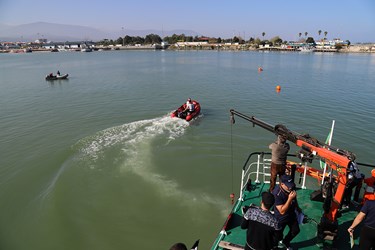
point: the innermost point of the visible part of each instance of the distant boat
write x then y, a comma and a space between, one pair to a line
56, 77
306, 49
163, 45
86, 50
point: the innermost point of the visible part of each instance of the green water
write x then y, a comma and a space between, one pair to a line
95, 162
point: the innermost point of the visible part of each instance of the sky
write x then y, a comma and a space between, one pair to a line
349, 20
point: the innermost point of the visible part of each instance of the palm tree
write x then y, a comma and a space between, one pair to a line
263, 34
300, 34
306, 34
319, 32
325, 34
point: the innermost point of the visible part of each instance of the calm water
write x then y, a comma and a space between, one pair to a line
94, 162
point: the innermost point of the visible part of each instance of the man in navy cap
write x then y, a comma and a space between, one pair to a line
286, 206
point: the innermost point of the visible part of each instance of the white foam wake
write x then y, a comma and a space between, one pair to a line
129, 136
125, 142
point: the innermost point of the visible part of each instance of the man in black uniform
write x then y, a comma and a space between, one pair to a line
286, 206
261, 225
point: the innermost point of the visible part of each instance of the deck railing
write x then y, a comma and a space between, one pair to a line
258, 164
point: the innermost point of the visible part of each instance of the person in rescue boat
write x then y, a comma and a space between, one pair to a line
280, 149
286, 206
367, 235
189, 107
370, 188
261, 225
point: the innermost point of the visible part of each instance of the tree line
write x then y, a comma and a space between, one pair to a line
156, 39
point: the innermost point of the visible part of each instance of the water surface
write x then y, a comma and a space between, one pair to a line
95, 162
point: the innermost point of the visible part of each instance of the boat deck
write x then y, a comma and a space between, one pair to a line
233, 237
307, 238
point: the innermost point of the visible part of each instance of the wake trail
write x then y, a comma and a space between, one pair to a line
129, 147
125, 140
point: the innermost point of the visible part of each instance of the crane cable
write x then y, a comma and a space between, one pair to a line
231, 151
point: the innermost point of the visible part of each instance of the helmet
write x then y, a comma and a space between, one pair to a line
373, 173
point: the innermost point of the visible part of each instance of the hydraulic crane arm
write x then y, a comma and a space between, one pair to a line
305, 141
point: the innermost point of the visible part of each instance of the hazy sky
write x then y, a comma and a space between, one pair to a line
349, 20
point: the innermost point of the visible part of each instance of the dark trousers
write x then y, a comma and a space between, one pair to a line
292, 223
357, 183
276, 169
367, 238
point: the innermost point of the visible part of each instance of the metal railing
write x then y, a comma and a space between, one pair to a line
260, 167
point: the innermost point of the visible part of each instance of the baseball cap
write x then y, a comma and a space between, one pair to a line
288, 181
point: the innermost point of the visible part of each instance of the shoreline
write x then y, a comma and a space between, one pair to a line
357, 49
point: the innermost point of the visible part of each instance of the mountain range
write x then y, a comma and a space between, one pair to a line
64, 32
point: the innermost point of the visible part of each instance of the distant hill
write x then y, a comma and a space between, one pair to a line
50, 31
63, 32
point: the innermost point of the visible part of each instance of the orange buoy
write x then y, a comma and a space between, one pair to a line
232, 198
278, 88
